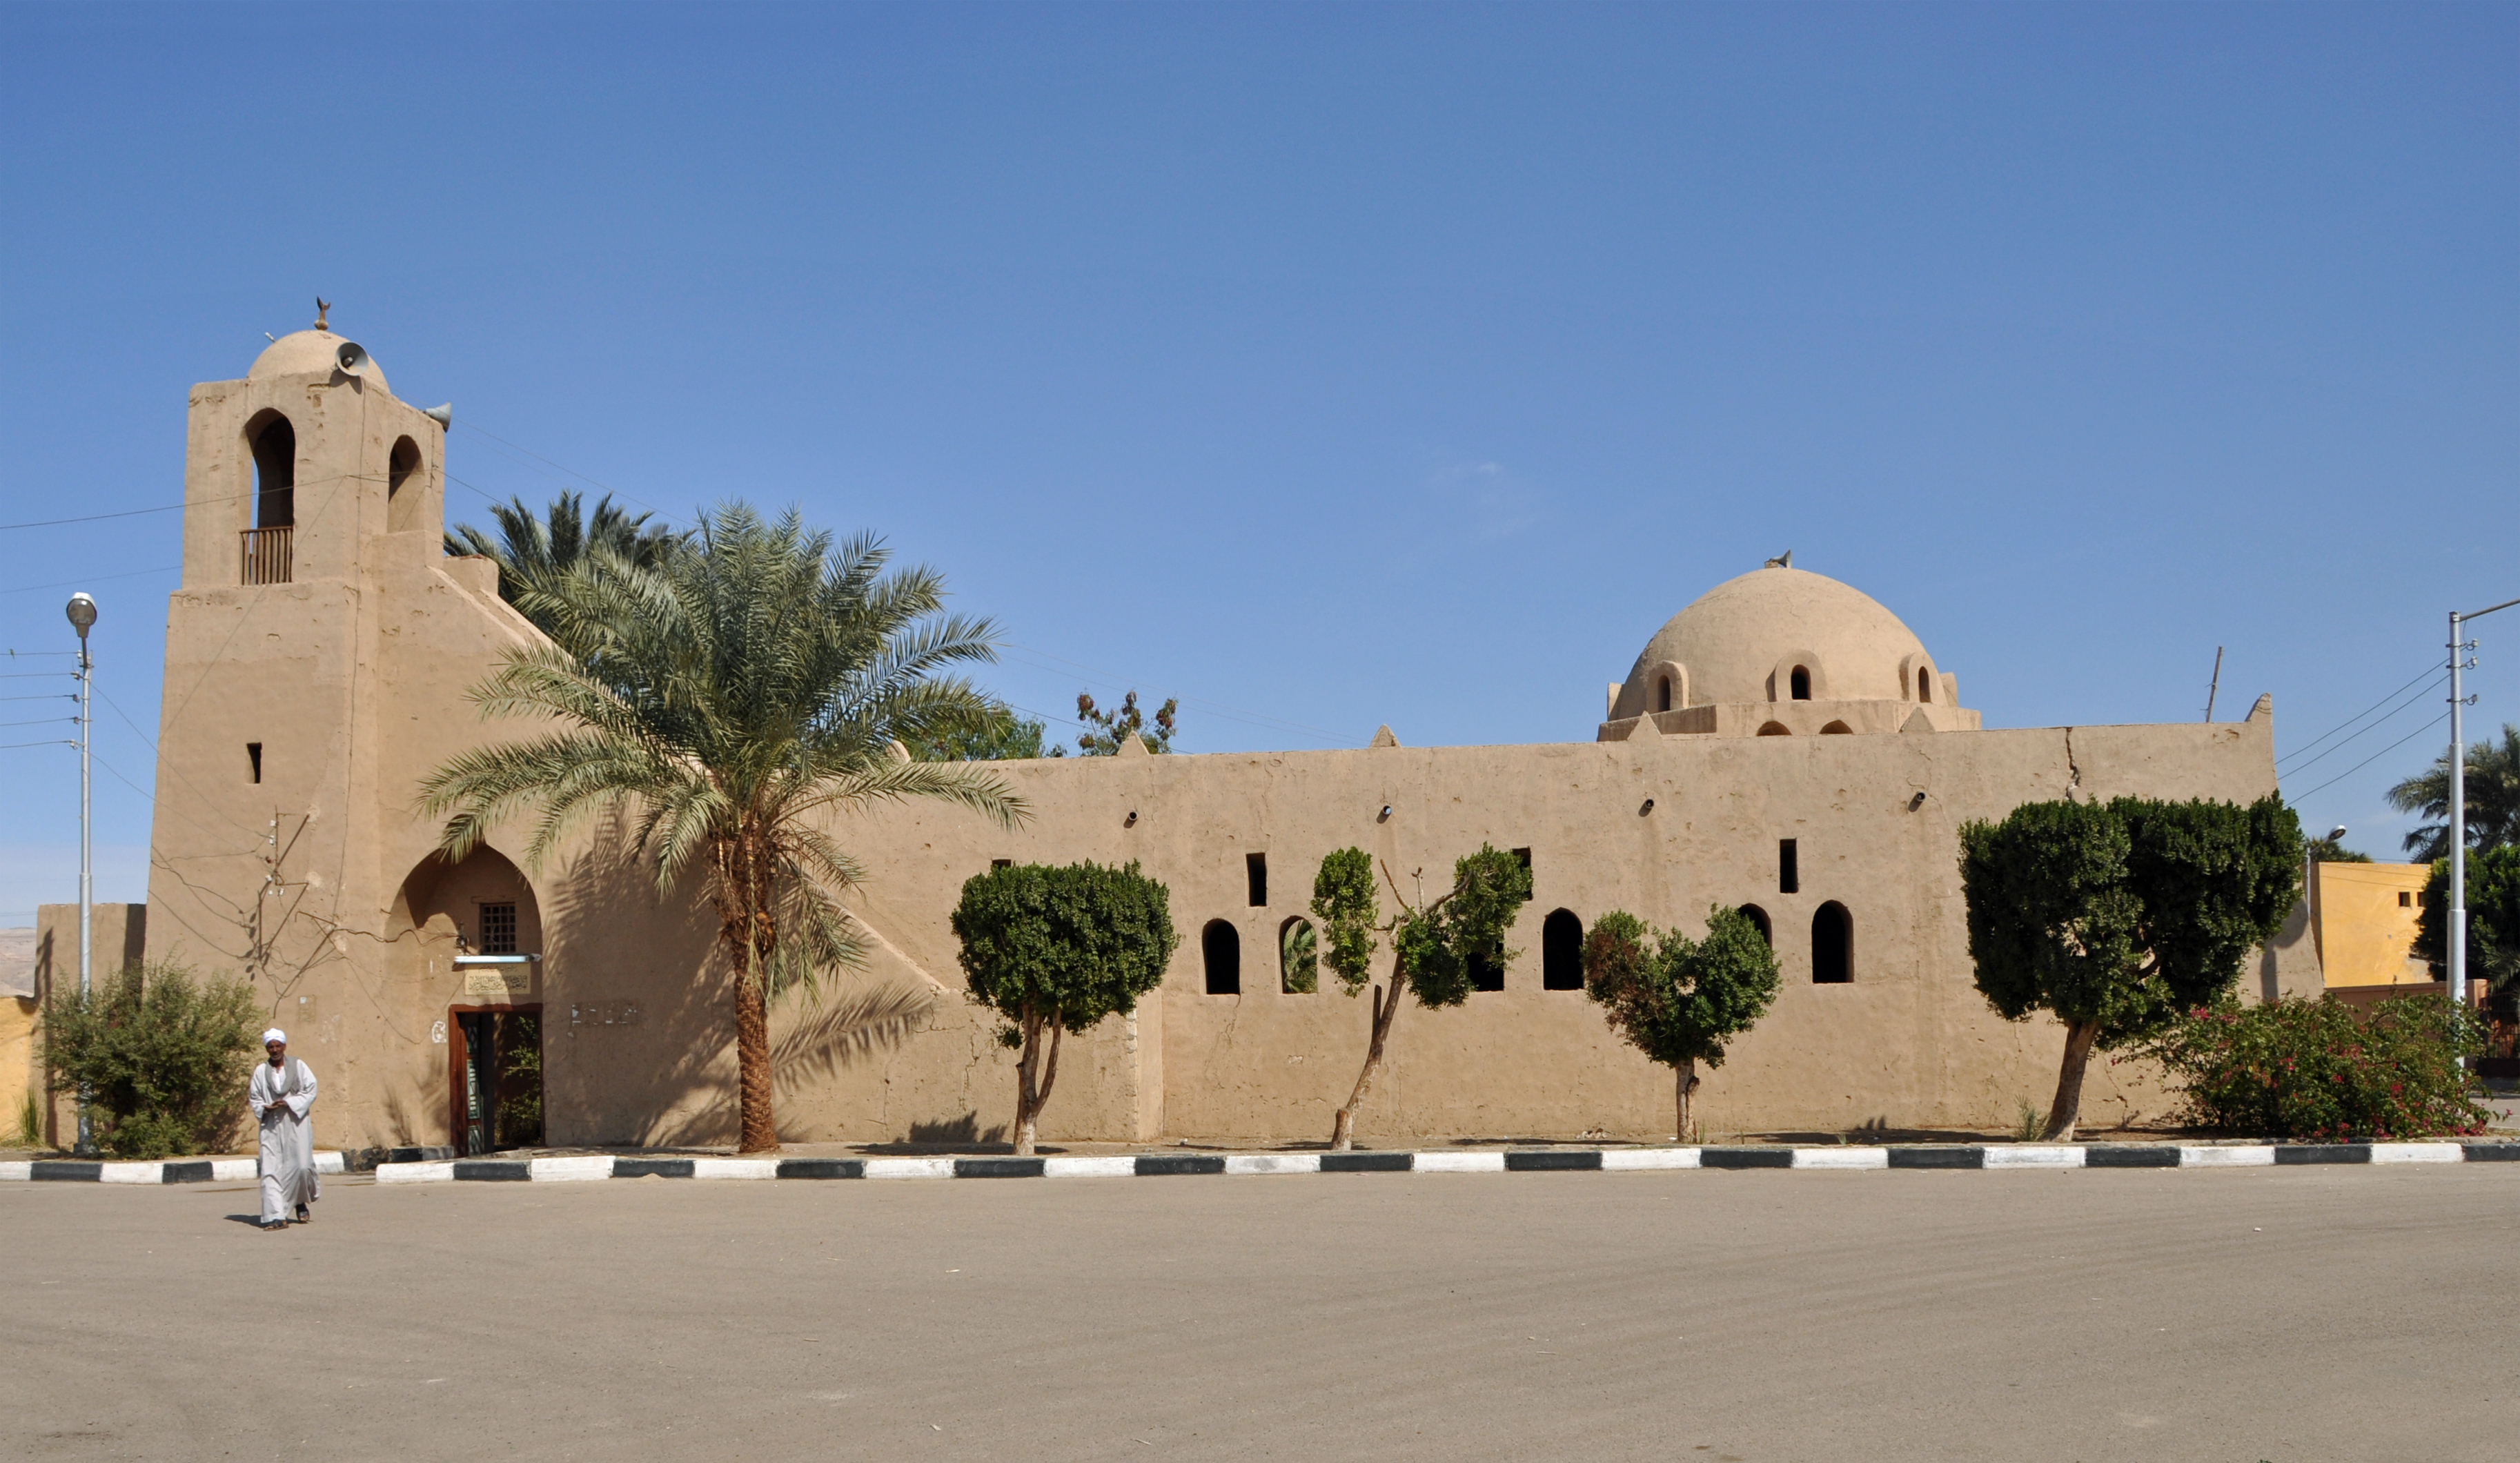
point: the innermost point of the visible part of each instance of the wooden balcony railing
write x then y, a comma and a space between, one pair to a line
266, 556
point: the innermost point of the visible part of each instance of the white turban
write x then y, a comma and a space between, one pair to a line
275, 1035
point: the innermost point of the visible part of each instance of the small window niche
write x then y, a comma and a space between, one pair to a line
1759, 917
1801, 683
1002, 863
1299, 958
1487, 970
1662, 693
1220, 948
2405, 899
1561, 951
1255, 878
253, 762
1789, 875
1924, 684
1832, 946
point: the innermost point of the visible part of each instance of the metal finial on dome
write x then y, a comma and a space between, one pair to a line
323, 307
1785, 560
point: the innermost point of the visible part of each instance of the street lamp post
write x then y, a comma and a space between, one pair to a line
2459, 649
81, 610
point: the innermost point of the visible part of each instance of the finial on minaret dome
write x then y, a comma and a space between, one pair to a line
1785, 560
323, 307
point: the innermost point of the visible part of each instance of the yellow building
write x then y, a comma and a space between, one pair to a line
2365, 917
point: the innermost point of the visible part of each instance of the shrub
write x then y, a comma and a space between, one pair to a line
164, 1058
2321, 1069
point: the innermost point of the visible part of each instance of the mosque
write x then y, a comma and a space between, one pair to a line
1784, 744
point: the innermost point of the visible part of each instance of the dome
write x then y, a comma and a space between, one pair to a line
1738, 634
310, 351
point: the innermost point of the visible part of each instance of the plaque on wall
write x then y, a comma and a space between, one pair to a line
498, 982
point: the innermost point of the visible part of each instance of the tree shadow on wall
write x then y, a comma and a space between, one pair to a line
682, 1046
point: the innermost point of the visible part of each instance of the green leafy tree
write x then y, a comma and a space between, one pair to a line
2492, 794
2119, 916
2331, 850
736, 700
997, 736
1054, 950
1437, 945
1676, 999
2493, 898
1104, 730
533, 553
164, 1056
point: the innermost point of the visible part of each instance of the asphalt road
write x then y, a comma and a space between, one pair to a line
2287, 1314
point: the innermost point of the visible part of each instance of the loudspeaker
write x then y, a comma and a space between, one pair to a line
351, 357
443, 416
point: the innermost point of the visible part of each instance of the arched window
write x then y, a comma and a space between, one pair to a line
1222, 949
274, 473
1299, 960
1832, 946
1924, 684
1662, 693
402, 509
1775, 730
1561, 951
1759, 917
1802, 683
1837, 729
1487, 970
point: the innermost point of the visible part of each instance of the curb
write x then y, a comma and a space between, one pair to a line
591, 1166
170, 1170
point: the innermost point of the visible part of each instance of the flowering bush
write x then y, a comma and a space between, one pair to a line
2321, 1069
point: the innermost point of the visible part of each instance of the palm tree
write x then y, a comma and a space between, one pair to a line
733, 699
530, 551
2493, 799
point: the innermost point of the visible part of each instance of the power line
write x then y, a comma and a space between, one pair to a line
2374, 758
90, 580
2394, 713
2359, 715
13, 745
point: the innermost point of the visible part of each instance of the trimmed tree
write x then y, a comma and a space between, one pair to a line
1676, 999
2493, 924
2120, 916
1437, 944
1054, 950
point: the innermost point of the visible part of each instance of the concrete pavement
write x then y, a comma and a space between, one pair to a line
2273, 1313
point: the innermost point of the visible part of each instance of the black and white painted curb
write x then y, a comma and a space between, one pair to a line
1520, 1160
170, 1170
2022, 1155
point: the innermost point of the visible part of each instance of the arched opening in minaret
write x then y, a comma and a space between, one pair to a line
402, 493
1924, 684
1802, 683
1662, 693
275, 471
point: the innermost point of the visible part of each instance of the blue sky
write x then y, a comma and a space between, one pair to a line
1329, 366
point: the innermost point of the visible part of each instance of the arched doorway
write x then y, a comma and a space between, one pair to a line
475, 939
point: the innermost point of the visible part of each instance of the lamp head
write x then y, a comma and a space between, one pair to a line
2336, 833
81, 610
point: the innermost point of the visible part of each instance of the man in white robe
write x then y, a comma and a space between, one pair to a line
282, 1093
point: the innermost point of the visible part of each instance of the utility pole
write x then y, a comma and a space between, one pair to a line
2214, 685
2458, 662
81, 610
